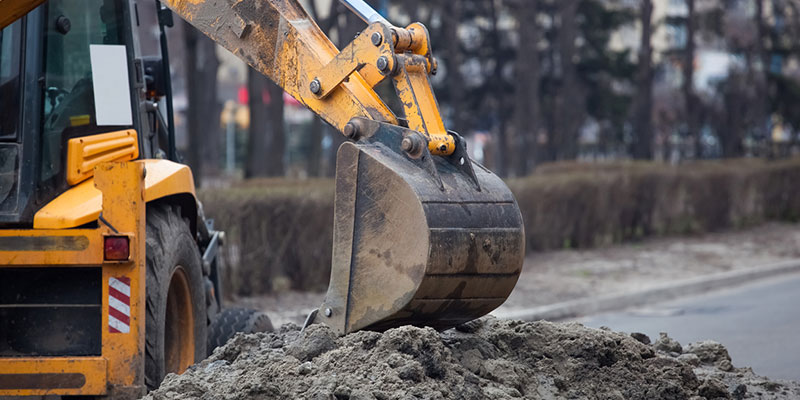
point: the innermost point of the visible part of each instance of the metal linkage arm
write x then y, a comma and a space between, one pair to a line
405, 58
280, 40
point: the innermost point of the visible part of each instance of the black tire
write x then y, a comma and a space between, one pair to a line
234, 320
171, 252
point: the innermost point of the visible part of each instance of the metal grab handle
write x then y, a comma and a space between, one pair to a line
365, 11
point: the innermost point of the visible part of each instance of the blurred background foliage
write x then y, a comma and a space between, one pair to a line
527, 82
612, 120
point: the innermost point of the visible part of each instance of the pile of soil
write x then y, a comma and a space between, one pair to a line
484, 359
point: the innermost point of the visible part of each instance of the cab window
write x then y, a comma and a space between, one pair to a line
10, 53
69, 109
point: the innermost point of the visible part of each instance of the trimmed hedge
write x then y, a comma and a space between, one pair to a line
279, 232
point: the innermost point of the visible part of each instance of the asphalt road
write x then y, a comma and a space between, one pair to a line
759, 323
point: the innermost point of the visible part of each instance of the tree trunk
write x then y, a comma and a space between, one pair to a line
256, 160
643, 131
736, 105
570, 102
499, 93
203, 111
277, 134
526, 112
690, 99
315, 157
548, 151
761, 80
266, 136
453, 11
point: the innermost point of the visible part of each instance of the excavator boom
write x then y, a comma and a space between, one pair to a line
280, 40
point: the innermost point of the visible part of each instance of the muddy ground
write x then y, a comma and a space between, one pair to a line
556, 276
485, 359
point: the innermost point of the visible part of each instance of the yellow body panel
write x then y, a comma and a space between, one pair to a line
42, 248
85, 153
124, 209
91, 370
82, 204
119, 369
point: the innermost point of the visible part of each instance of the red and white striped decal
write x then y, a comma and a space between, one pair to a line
119, 305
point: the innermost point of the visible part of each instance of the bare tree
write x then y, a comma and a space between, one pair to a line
452, 10
528, 71
736, 102
761, 80
570, 102
203, 112
690, 98
266, 136
643, 107
500, 92
317, 124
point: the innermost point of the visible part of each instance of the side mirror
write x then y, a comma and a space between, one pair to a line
154, 77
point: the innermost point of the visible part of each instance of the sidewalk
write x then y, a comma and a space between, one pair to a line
561, 276
624, 271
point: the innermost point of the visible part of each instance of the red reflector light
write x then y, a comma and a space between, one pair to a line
115, 248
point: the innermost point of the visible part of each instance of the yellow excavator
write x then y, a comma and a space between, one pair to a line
109, 276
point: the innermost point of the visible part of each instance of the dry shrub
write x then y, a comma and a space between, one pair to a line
279, 232
586, 205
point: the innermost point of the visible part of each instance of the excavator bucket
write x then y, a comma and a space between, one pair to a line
425, 240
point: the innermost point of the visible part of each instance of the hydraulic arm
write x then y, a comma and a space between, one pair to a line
279, 39
420, 236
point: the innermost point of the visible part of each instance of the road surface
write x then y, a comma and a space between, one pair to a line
759, 324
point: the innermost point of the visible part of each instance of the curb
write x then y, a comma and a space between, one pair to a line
668, 291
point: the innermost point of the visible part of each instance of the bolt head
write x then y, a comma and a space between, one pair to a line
315, 86
328, 312
413, 145
383, 64
63, 25
407, 144
443, 147
377, 39
351, 130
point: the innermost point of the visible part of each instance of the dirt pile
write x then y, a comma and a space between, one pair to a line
485, 359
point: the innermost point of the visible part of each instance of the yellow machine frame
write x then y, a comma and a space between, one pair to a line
118, 370
115, 194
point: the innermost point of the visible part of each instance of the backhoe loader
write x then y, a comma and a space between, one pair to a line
108, 268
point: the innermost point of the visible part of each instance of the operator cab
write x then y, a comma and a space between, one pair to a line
67, 70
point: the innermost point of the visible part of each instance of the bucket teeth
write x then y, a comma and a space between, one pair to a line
417, 240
